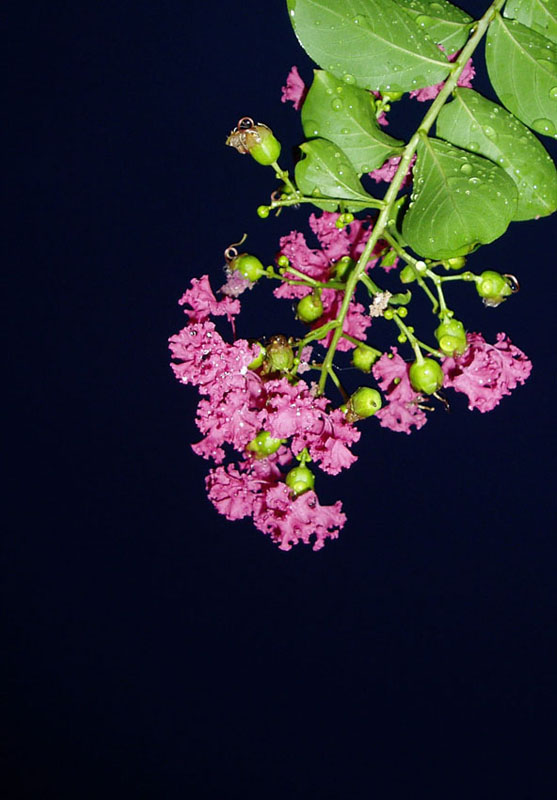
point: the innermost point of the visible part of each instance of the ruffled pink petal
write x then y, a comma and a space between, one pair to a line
295, 89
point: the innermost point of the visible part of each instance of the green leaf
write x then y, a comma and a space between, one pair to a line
326, 172
477, 124
345, 115
460, 200
522, 66
370, 43
541, 15
444, 23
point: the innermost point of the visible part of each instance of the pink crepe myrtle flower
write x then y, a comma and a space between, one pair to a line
487, 372
201, 303
430, 92
257, 489
387, 171
290, 521
295, 89
203, 359
296, 413
402, 411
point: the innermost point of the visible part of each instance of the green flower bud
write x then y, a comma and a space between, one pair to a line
454, 263
309, 308
249, 266
493, 287
427, 376
264, 445
363, 358
256, 139
451, 337
365, 401
343, 268
300, 480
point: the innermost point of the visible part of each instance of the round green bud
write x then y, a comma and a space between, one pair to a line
283, 261
300, 480
343, 267
408, 274
267, 150
365, 401
451, 337
493, 287
258, 360
309, 308
263, 211
427, 376
249, 266
454, 263
264, 445
363, 358
402, 311
388, 313
391, 96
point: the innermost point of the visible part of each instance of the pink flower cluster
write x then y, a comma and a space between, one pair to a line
237, 405
320, 263
485, 372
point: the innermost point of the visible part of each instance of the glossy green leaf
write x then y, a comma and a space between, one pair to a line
373, 44
541, 15
460, 199
326, 172
477, 124
444, 23
522, 66
345, 115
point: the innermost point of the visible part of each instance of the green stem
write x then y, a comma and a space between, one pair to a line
283, 176
391, 194
373, 202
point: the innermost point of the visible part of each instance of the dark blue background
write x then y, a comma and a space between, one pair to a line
154, 650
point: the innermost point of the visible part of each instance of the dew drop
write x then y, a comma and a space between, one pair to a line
348, 78
474, 180
553, 93
466, 169
336, 104
489, 132
424, 21
544, 126
473, 146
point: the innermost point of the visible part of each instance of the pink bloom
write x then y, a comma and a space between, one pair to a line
402, 410
205, 360
348, 241
291, 521
431, 92
256, 488
331, 448
387, 171
486, 372
295, 90
203, 303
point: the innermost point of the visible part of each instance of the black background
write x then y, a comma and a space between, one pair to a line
153, 649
